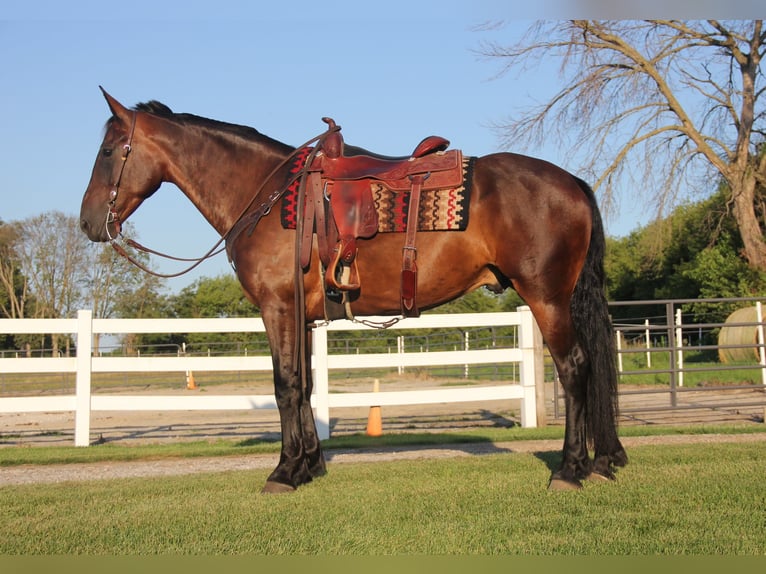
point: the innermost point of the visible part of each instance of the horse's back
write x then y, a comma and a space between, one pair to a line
524, 200
527, 181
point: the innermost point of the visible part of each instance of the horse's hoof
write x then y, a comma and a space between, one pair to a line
620, 458
561, 484
598, 477
318, 472
276, 488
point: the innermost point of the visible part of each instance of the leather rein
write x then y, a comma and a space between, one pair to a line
112, 217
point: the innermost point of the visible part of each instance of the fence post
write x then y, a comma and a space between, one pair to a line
669, 320
680, 343
319, 366
83, 377
648, 344
761, 350
466, 347
618, 336
531, 371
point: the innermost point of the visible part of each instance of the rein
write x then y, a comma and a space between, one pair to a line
263, 209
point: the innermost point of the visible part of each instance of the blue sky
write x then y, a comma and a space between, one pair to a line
387, 78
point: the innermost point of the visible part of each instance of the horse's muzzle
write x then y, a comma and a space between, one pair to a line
95, 233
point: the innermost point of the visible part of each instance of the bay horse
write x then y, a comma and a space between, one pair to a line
532, 226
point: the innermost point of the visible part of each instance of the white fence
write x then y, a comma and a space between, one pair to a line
528, 355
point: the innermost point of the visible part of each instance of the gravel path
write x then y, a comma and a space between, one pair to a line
55, 429
40, 474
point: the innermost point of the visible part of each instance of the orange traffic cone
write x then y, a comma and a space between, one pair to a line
190, 384
374, 421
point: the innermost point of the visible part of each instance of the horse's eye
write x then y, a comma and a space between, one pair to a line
107, 152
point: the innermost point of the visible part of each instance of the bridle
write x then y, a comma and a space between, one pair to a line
112, 217
111, 213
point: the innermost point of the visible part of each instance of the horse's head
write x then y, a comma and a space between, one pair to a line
126, 172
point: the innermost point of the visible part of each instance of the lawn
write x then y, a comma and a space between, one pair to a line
671, 500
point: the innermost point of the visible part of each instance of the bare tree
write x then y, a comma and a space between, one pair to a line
113, 286
50, 269
50, 250
109, 280
13, 284
683, 100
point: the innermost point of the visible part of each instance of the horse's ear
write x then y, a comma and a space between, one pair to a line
118, 110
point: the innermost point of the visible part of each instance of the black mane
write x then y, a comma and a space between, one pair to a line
161, 110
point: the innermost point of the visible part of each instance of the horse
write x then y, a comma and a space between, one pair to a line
532, 227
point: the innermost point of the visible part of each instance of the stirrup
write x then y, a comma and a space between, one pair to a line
342, 276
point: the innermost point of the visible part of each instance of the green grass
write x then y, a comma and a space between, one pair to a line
699, 370
673, 500
11, 456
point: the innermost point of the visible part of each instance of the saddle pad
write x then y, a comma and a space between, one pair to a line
439, 210
289, 211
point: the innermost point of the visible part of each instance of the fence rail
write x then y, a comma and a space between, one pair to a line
668, 338
662, 333
528, 356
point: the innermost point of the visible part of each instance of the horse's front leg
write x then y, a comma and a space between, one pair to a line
312, 447
301, 457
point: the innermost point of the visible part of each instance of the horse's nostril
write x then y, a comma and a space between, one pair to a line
84, 225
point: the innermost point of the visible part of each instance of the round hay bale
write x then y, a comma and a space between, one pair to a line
732, 334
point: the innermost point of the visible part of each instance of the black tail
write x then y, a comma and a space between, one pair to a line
593, 326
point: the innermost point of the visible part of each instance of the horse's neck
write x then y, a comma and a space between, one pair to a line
222, 175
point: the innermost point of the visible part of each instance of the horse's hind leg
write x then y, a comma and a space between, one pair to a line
587, 415
588, 394
555, 322
575, 463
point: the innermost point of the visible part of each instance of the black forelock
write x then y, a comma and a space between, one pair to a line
153, 107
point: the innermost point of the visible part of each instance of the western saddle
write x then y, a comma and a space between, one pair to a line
339, 205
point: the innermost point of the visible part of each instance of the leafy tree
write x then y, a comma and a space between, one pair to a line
220, 296
694, 253
682, 100
510, 300
718, 272
477, 301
